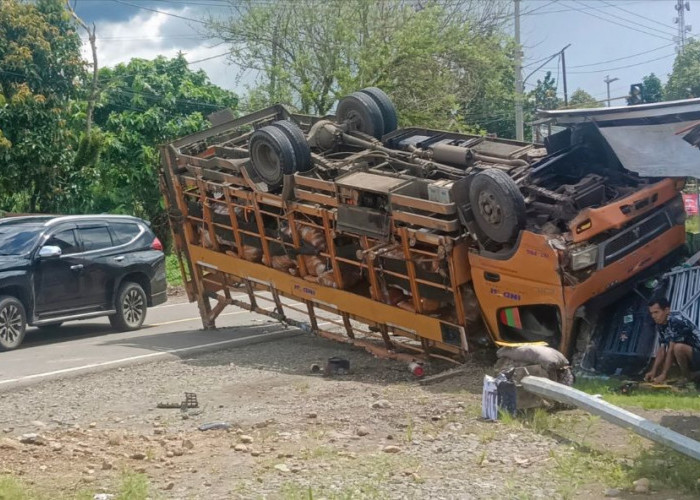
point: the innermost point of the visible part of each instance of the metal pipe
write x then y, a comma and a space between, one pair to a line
558, 392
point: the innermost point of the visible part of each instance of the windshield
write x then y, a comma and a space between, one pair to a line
19, 239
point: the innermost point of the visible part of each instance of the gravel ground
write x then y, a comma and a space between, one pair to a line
372, 433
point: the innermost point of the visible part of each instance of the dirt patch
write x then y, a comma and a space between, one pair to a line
373, 433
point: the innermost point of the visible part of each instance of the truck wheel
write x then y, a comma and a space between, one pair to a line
13, 323
497, 204
386, 107
361, 113
299, 143
131, 308
272, 155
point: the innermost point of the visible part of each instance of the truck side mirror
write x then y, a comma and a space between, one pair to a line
49, 251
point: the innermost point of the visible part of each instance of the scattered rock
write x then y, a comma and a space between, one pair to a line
255, 453
169, 454
240, 447
107, 465
186, 443
38, 423
169, 486
381, 403
7, 430
137, 456
390, 437
32, 438
282, 468
246, 439
9, 444
56, 446
391, 449
178, 452
92, 425
612, 493
103, 496
642, 485
158, 431
362, 431
42, 468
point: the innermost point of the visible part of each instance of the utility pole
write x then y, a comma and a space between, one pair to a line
563, 66
681, 6
608, 81
519, 132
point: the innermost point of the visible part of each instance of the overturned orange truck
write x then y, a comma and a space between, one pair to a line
426, 242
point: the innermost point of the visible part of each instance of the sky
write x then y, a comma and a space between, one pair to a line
624, 39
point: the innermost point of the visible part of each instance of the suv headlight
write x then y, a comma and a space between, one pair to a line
584, 257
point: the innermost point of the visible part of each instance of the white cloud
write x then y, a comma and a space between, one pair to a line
150, 34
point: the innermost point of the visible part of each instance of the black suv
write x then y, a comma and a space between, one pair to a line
60, 268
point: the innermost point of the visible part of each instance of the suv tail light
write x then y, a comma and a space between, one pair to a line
156, 245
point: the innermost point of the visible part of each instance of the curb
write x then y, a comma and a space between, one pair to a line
171, 354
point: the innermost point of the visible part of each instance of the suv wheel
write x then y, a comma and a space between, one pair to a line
13, 323
131, 308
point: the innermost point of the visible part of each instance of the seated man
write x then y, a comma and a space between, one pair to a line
679, 342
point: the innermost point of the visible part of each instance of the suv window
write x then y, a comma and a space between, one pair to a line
124, 232
18, 239
65, 240
95, 238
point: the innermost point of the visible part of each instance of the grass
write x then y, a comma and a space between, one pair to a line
172, 270
647, 399
132, 487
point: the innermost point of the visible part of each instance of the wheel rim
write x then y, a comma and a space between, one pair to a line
266, 162
10, 324
132, 307
490, 208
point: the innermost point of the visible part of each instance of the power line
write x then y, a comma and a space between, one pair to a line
160, 12
625, 67
623, 58
620, 24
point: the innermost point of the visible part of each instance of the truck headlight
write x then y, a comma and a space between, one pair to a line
584, 257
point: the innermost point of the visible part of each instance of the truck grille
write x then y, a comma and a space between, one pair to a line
632, 238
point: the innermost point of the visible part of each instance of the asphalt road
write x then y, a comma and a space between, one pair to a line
173, 328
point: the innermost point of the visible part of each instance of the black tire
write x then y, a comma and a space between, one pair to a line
13, 323
131, 307
362, 114
391, 121
298, 140
497, 204
272, 155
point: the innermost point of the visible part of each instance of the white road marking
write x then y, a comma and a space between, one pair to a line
145, 356
269, 308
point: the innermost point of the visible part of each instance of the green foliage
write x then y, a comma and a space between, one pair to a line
544, 95
172, 270
444, 65
684, 80
144, 104
582, 99
647, 399
133, 487
40, 72
653, 89
11, 489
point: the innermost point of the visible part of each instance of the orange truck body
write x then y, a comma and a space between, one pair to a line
215, 208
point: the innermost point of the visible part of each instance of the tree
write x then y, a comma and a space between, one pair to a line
544, 95
40, 74
144, 104
438, 63
582, 99
684, 80
653, 88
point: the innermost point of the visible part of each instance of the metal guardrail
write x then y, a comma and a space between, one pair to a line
683, 291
